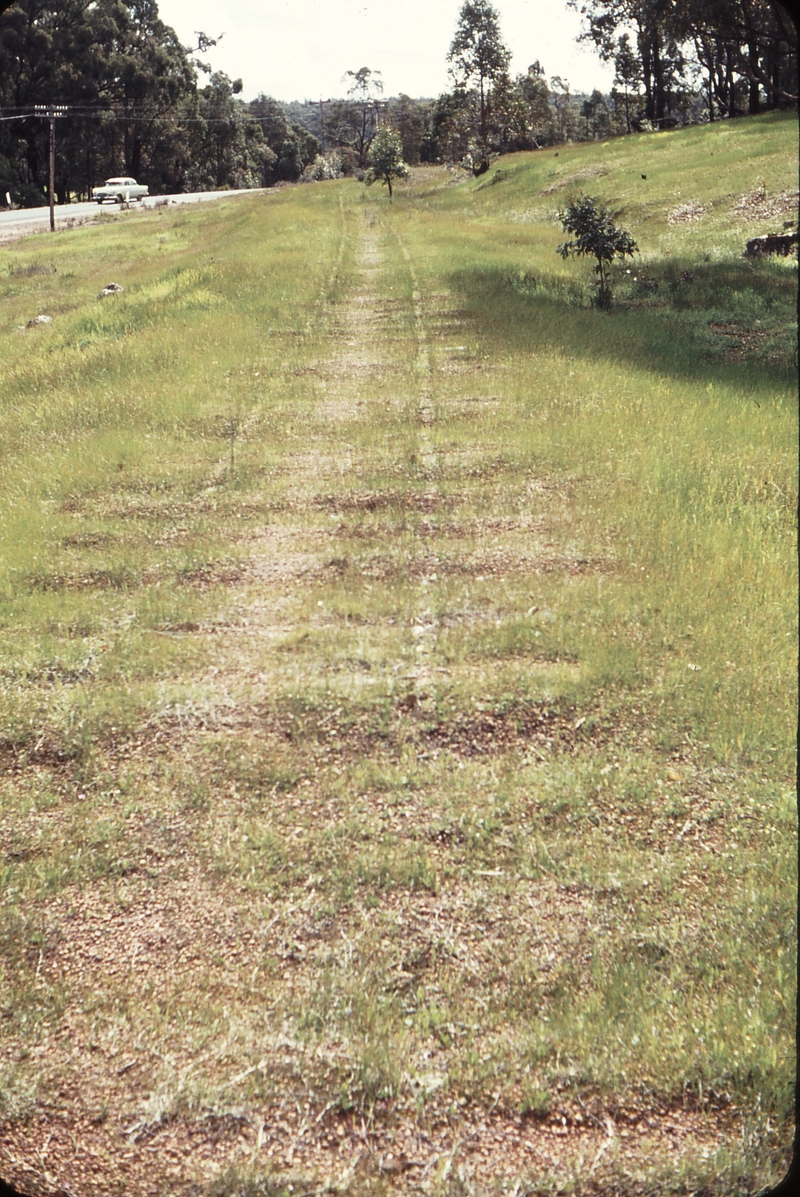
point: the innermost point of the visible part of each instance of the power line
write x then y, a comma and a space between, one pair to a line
123, 118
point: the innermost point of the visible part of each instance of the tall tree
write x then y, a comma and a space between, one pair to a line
649, 19
595, 113
754, 39
448, 134
123, 75
477, 52
742, 46
536, 93
292, 145
561, 102
627, 72
409, 118
365, 90
144, 75
510, 124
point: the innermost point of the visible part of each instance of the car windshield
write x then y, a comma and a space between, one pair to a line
117, 182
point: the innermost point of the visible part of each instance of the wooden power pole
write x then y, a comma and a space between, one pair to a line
51, 112
322, 104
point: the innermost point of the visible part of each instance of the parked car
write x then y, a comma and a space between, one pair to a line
121, 191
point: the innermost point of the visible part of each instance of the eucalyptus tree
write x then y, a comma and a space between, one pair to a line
650, 20
364, 92
743, 46
292, 144
447, 134
410, 118
754, 40
536, 93
133, 105
126, 80
595, 113
143, 75
560, 92
477, 53
627, 72
222, 146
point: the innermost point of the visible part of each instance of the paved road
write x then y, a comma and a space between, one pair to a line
35, 220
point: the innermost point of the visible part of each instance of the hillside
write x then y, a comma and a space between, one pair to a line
398, 665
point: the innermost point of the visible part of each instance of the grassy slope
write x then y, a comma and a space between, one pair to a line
705, 449
495, 503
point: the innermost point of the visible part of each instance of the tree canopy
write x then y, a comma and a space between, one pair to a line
731, 40
135, 104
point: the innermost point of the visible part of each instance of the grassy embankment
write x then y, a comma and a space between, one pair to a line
397, 686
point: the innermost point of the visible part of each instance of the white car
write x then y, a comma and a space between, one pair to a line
121, 191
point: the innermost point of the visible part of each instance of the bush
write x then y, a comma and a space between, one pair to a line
596, 236
350, 165
328, 166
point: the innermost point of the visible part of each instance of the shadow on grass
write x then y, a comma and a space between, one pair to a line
733, 323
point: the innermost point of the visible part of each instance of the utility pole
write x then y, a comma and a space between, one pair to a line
322, 121
51, 112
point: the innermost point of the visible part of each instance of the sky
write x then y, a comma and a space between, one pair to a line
300, 49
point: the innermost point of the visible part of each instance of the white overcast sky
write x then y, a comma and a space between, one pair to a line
300, 49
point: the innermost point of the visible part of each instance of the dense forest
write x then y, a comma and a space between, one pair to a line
136, 101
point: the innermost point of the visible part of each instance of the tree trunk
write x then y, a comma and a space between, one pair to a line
729, 85
658, 78
647, 76
775, 75
754, 98
706, 59
136, 154
602, 296
362, 140
720, 81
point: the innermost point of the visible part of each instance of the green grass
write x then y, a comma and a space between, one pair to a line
398, 685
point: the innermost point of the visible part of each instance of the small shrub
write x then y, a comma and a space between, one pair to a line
596, 236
